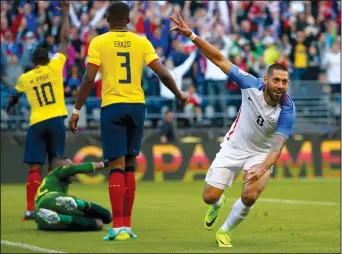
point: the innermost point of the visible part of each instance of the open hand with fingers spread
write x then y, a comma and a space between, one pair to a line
181, 27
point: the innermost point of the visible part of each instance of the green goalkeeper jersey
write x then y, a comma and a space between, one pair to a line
57, 181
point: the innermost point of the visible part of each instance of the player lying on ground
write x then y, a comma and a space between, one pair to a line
44, 89
253, 143
56, 210
120, 57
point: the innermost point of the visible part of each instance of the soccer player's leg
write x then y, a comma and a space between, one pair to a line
61, 212
243, 206
114, 146
51, 220
93, 210
75, 206
216, 180
135, 128
221, 175
129, 194
34, 156
55, 138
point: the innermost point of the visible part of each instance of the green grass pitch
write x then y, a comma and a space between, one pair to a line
168, 217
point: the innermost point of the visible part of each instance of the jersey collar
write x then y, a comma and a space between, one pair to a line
115, 30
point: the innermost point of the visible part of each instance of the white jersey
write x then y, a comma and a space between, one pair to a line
249, 140
257, 122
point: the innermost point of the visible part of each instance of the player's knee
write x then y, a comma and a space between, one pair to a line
249, 198
210, 197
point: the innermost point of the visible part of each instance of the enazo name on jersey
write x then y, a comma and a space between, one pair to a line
257, 122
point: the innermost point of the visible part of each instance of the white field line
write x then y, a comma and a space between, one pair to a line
300, 202
29, 247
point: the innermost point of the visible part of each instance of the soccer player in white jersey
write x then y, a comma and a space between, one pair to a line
253, 143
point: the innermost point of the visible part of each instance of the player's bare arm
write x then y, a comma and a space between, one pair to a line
86, 83
165, 77
206, 48
271, 159
63, 46
12, 101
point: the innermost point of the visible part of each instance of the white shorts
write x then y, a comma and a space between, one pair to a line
229, 161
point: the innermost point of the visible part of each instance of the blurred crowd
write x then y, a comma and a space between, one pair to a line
303, 35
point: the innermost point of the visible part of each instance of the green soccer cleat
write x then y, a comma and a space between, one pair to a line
130, 232
213, 214
50, 217
121, 235
223, 239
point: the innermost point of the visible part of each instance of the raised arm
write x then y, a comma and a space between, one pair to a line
206, 48
74, 18
84, 168
65, 31
99, 15
224, 13
184, 67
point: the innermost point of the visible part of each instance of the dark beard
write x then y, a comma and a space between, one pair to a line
270, 93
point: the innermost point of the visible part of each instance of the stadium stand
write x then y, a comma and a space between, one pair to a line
304, 36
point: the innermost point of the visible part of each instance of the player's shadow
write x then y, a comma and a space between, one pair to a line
58, 231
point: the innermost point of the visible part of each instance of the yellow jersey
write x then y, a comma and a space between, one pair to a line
300, 56
121, 56
44, 90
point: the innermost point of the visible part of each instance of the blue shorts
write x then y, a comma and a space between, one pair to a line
46, 138
122, 126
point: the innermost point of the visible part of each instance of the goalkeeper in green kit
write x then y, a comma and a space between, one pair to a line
56, 210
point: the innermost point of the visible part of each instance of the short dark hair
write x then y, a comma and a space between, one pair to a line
40, 56
118, 11
276, 66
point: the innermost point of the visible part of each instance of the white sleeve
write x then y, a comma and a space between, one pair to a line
98, 16
184, 67
73, 17
211, 7
224, 13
